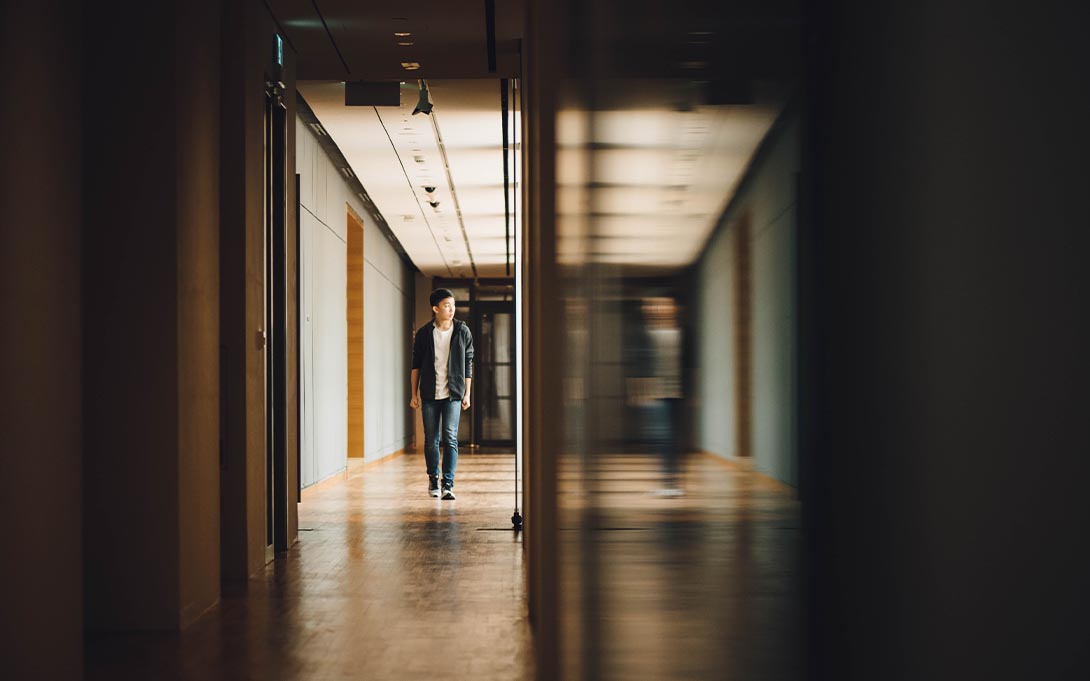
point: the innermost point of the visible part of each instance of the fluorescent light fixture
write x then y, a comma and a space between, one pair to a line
410, 65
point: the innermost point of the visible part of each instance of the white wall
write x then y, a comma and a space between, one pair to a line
388, 294
769, 197
324, 342
387, 346
774, 311
716, 414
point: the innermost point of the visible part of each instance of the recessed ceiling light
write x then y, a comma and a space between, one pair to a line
406, 44
402, 34
410, 65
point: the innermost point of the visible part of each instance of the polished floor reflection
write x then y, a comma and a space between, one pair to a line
700, 586
384, 583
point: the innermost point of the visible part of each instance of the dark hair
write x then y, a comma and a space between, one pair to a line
439, 295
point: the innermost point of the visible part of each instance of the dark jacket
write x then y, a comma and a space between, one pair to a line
460, 366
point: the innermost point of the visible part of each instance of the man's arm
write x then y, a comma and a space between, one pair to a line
414, 375
469, 369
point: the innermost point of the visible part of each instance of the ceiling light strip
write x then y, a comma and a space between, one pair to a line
506, 177
516, 139
412, 188
453, 192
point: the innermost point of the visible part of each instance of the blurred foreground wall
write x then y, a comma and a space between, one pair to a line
944, 286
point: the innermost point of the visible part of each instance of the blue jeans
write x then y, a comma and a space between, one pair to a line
441, 417
661, 433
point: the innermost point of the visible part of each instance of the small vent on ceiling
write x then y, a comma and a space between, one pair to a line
318, 129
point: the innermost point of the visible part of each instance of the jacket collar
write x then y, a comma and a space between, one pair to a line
453, 323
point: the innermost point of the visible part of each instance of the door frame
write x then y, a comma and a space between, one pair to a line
273, 337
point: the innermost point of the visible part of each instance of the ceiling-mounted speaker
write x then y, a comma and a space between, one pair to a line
366, 93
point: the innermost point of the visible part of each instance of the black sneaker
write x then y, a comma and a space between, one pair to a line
448, 494
433, 487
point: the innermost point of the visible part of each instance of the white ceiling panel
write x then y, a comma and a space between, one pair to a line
457, 151
477, 166
652, 183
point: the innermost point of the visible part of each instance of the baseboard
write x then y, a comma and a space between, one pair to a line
193, 612
383, 459
746, 465
352, 466
341, 473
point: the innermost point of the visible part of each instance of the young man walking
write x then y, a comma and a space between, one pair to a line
442, 372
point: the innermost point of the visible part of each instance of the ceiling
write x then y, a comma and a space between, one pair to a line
354, 40
653, 178
663, 159
457, 150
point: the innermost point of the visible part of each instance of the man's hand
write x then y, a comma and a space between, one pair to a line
465, 403
414, 403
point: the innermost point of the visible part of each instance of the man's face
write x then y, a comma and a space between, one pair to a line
444, 311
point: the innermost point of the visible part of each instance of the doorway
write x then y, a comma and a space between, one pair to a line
494, 398
488, 306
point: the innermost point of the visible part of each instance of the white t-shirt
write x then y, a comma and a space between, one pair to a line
667, 344
442, 360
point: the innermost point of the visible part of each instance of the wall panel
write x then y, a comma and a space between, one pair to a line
767, 199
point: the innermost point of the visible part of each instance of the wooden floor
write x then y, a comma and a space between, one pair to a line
388, 583
700, 586
384, 583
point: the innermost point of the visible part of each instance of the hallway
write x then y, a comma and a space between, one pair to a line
835, 251
384, 583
